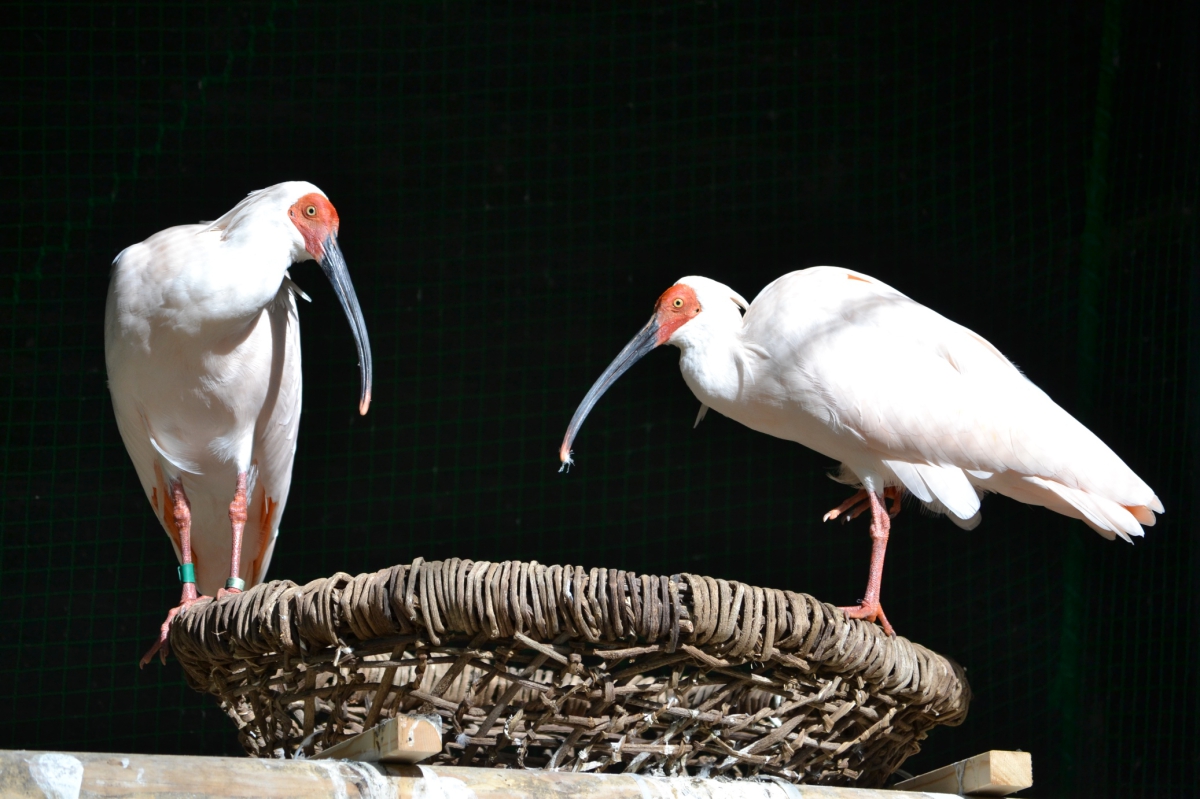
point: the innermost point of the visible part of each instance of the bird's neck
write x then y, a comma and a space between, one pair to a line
714, 363
257, 250
228, 295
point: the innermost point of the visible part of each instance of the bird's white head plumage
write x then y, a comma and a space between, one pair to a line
695, 309
295, 212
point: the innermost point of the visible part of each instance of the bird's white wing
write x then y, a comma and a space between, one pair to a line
127, 340
274, 438
941, 407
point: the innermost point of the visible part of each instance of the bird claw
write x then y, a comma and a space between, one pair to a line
854, 507
845, 516
224, 592
869, 611
849, 509
162, 647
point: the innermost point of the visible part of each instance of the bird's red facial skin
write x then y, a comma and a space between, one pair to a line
316, 219
676, 306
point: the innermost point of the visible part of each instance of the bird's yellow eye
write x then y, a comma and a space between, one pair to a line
678, 302
311, 210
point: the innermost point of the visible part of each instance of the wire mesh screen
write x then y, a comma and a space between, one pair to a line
517, 182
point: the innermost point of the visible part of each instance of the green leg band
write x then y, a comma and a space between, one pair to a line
187, 573
235, 583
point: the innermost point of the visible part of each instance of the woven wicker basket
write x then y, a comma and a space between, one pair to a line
564, 667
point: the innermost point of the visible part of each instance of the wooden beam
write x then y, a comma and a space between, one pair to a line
403, 739
94, 774
994, 773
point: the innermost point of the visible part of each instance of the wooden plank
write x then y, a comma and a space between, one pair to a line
994, 773
402, 739
94, 774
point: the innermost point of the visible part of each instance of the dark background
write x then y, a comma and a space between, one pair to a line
517, 183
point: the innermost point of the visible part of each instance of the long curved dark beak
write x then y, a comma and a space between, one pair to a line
642, 343
334, 266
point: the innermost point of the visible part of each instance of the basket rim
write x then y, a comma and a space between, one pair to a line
612, 612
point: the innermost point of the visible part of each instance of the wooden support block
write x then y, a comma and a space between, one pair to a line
994, 773
403, 739
102, 774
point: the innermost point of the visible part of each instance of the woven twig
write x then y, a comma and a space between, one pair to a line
572, 668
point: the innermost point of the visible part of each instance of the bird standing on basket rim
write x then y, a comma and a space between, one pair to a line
907, 400
202, 346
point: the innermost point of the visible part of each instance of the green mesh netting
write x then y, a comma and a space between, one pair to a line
517, 183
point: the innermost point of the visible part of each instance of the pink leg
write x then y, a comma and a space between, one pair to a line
237, 518
182, 512
868, 607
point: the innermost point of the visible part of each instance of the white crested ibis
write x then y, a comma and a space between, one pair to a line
202, 345
903, 398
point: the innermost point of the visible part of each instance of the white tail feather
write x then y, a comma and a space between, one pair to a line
1101, 513
1105, 516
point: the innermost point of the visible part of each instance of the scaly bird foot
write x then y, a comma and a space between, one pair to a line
161, 646
869, 611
